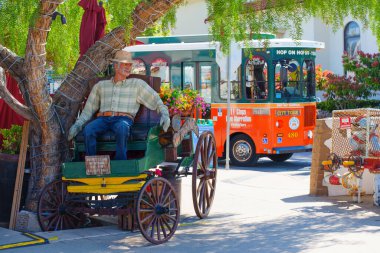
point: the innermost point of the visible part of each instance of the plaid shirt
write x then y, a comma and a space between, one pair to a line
124, 96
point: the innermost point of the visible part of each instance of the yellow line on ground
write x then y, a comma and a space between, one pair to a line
37, 240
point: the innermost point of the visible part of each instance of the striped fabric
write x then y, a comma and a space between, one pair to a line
124, 96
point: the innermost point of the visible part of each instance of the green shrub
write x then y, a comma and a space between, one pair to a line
353, 90
331, 105
11, 139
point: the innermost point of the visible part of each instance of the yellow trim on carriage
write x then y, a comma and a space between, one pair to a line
105, 189
105, 180
106, 185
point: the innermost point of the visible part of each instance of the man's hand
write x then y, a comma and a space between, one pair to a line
74, 130
165, 122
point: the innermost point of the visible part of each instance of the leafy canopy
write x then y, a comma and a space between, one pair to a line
236, 18
230, 19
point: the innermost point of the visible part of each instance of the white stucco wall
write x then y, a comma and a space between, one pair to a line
331, 57
190, 18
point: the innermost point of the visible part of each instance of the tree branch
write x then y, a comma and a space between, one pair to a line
13, 64
10, 100
146, 14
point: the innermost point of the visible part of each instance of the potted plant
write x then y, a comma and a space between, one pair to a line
182, 102
11, 140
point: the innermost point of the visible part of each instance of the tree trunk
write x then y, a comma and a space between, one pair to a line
48, 128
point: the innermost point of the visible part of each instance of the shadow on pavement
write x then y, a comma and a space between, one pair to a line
269, 166
301, 161
312, 225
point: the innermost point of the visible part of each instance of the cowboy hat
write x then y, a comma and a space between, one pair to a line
123, 57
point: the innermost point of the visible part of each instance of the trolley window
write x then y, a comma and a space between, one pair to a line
189, 76
235, 86
256, 85
287, 76
308, 71
205, 77
160, 68
138, 67
175, 76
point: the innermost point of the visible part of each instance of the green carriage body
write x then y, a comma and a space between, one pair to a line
154, 155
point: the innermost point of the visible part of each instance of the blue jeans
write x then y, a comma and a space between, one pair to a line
120, 125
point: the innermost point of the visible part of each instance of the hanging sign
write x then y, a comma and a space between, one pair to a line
159, 62
256, 60
345, 122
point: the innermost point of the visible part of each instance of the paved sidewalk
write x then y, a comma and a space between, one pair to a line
261, 209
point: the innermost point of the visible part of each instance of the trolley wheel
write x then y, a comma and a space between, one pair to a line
55, 211
204, 174
280, 157
243, 151
157, 210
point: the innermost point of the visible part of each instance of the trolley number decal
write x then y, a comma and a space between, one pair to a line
293, 134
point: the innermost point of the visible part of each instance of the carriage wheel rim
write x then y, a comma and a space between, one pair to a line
54, 212
242, 151
157, 210
204, 175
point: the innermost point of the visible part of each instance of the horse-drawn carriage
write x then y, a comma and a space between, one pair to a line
141, 189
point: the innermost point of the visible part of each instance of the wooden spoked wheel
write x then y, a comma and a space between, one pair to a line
157, 210
204, 174
336, 162
55, 212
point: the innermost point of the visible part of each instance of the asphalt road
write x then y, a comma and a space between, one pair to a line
260, 209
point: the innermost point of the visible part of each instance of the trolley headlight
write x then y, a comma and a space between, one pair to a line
310, 134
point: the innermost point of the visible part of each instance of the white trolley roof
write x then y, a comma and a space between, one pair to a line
271, 43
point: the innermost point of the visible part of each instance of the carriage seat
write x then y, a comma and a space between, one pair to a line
144, 120
138, 132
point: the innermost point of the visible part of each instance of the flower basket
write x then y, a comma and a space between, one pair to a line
183, 113
182, 102
188, 113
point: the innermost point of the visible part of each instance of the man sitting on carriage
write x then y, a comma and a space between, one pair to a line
117, 101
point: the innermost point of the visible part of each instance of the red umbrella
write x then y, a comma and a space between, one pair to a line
136, 42
88, 25
101, 22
